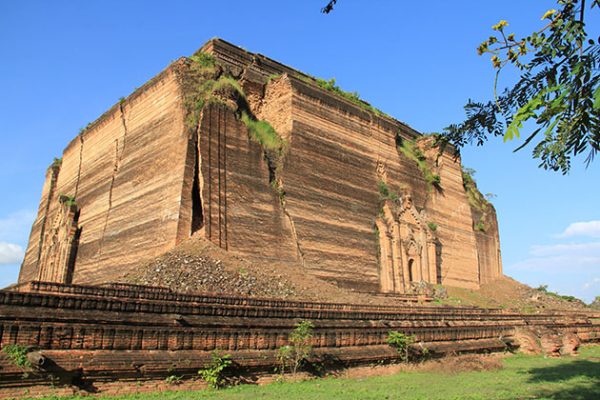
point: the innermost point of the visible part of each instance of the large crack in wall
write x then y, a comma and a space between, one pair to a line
116, 168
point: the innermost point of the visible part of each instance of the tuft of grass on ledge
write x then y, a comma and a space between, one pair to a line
263, 133
411, 151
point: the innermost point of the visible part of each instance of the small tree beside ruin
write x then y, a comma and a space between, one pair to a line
401, 342
300, 348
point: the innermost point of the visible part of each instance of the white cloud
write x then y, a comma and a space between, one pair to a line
561, 257
589, 228
577, 249
10, 253
594, 282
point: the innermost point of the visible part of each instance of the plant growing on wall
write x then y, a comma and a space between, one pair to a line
385, 193
214, 373
411, 151
477, 201
401, 342
66, 199
17, 354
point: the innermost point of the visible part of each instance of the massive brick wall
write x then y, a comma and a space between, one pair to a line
143, 179
125, 173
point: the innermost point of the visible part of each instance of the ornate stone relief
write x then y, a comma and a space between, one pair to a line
408, 248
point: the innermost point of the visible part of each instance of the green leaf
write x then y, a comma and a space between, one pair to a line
526, 112
597, 98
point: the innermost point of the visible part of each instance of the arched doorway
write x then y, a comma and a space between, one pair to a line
411, 272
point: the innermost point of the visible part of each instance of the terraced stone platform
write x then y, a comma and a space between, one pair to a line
83, 335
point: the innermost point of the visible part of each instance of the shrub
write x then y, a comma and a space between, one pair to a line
17, 354
214, 373
204, 60
173, 380
401, 342
433, 226
479, 226
411, 151
385, 193
299, 349
68, 200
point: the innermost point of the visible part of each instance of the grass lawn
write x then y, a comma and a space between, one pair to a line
523, 377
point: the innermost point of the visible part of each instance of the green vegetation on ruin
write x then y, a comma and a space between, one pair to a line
56, 163
67, 199
411, 151
17, 354
477, 201
544, 289
352, 97
385, 193
264, 133
433, 226
516, 377
207, 83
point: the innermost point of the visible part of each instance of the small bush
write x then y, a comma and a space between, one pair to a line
66, 199
401, 342
214, 374
17, 354
299, 349
433, 226
173, 380
203, 59
411, 151
385, 193
479, 226
544, 289
57, 162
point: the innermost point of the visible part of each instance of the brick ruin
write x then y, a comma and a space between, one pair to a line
88, 336
338, 189
170, 161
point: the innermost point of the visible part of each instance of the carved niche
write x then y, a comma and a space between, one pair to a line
408, 249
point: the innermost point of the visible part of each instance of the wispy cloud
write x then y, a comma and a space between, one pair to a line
10, 253
587, 228
563, 249
593, 283
558, 263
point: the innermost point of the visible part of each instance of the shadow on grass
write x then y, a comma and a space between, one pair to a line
584, 373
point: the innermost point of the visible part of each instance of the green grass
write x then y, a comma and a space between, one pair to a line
523, 377
264, 133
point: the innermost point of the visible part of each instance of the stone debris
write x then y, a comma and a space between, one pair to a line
192, 273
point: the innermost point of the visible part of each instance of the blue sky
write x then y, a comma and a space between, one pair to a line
65, 62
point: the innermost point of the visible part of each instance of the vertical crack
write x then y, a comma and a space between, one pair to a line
276, 183
294, 234
116, 168
79, 167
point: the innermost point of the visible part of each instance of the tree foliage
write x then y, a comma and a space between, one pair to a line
558, 90
557, 93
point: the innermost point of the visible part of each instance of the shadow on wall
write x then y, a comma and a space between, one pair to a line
570, 372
